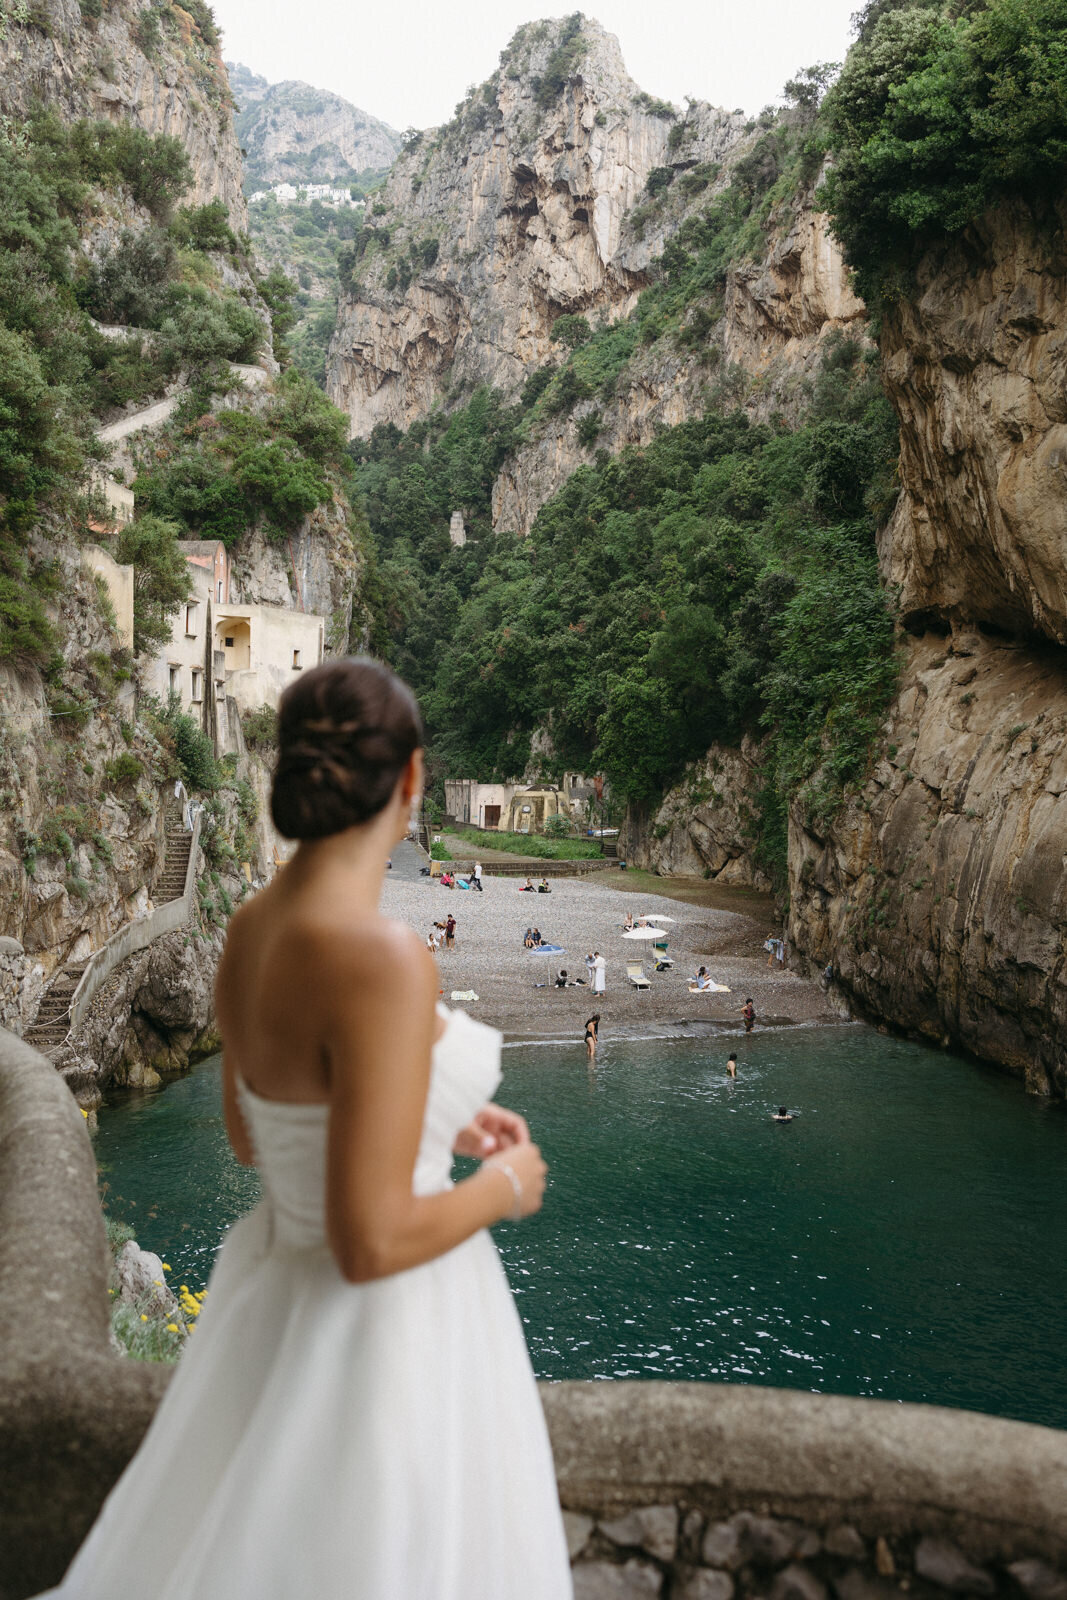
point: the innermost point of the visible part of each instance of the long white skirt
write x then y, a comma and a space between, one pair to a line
329, 1441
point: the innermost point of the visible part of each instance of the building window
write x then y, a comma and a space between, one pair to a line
218, 592
174, 685
198, 679
190, 622
296, 660
228, 643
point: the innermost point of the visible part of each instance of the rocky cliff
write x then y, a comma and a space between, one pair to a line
939, 893
492, 227
292, 133
764, 345
158, 67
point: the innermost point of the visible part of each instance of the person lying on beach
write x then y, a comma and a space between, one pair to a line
782, 1115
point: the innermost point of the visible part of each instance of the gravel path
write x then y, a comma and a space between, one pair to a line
583, 915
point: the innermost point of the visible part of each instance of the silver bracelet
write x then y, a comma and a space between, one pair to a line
512, 1177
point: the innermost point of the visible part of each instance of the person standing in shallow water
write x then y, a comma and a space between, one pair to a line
592, 1034
731, 1065
361, 1308
748, 1014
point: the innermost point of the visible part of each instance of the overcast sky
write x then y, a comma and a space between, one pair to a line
410, 63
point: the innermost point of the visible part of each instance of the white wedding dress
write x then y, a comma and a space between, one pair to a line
323, 1440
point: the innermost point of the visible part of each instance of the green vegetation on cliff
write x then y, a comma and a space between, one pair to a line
941, 111
722, 580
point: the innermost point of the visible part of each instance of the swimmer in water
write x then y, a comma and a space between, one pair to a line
731, 1066
782, 1115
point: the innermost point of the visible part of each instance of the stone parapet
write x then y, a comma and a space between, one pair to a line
681, 1491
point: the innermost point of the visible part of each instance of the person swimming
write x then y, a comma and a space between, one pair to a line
731, 1066
782, 1115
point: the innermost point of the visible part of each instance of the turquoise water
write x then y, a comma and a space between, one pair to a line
903, 1237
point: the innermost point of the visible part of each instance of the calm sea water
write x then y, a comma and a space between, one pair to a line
902, 1238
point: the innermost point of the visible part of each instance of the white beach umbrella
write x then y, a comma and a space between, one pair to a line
656, 916
645, 933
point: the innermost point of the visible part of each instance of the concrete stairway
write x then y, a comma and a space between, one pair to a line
171, 885
50, 1027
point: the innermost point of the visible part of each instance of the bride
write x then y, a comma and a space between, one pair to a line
356, 1417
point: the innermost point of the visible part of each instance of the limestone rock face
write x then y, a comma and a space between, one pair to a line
317, 569
939, 895
109, 68
293, 133
976, 367
703, 825
525, 204
776, 316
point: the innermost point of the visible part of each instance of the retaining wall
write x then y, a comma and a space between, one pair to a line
681, 1491
133, 937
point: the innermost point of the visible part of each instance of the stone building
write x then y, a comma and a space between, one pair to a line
483, 804
224, 659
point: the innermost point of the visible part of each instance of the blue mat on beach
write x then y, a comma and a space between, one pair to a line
549, 950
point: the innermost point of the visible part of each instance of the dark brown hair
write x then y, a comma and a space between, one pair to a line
346, 730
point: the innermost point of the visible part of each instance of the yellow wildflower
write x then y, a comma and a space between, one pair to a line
172, 1327
166, 1266
85, 1114
143, 1317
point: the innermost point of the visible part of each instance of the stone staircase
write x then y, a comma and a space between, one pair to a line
52, 1023
171, 885
49, 1029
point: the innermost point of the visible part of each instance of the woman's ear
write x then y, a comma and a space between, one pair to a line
412, 779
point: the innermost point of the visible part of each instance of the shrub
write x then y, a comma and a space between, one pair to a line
571, 331
161, 580
205, 227
123, 768
260, 728
128, 284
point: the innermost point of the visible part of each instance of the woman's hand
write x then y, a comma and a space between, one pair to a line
492, 1129
528, 1166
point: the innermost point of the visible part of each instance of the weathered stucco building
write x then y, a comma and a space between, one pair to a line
224, 659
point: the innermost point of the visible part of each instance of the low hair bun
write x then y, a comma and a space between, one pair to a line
346, 731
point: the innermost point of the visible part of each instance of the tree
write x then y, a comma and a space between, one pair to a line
161, 580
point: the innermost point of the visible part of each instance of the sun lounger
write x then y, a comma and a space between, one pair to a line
636, 974
662, 959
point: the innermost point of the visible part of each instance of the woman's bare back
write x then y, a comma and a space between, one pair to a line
276, 987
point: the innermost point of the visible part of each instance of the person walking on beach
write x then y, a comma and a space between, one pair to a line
592, 1034
477, 879
360, 1309
748, 1013
450, 932
600, 970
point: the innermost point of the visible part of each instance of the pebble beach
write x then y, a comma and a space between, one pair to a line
515, 985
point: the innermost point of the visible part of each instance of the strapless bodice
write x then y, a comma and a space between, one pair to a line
290, 1140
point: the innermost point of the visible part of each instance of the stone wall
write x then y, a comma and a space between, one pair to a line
678, 1491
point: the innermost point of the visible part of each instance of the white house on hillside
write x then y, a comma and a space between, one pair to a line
224, 659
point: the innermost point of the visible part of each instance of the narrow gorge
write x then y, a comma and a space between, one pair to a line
569, 277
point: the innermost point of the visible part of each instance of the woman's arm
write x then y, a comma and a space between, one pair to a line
236, 1128
380, 1025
